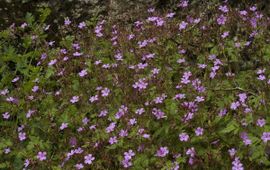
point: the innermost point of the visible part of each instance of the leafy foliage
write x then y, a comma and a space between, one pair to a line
180, 90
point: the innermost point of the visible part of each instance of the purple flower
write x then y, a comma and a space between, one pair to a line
126, 163
127, 158
15, 79
73, 141
67, 21
265, 137
41, 156
4, 92
140, 111
237, 165
179, 96
52, 62
183, 3
261, 122
77, 54
191, 152
6, 115
113, 140
26, 163
243, 12
199, 99
199, 131
24, 25
158, 113
88, 159
253, 8
183, 137
162, 152
235, 105
82, 25
63, 126
221, 20
74, 99
245, 138
185, 77
29, 113
103, 113
79, 166
223, 9
93, 98
105, 92
232, 152
35, 89
123, 133
7, 150
111, 127
183, 25
225, 34
170, 15
222, 112
83, 73
141, 84
22, 136
128, 155
181, 60
242, 97
132, 121
261, 77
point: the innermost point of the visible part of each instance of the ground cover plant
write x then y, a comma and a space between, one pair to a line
181, 89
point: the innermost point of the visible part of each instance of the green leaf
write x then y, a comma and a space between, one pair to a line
232, 126
45, 12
